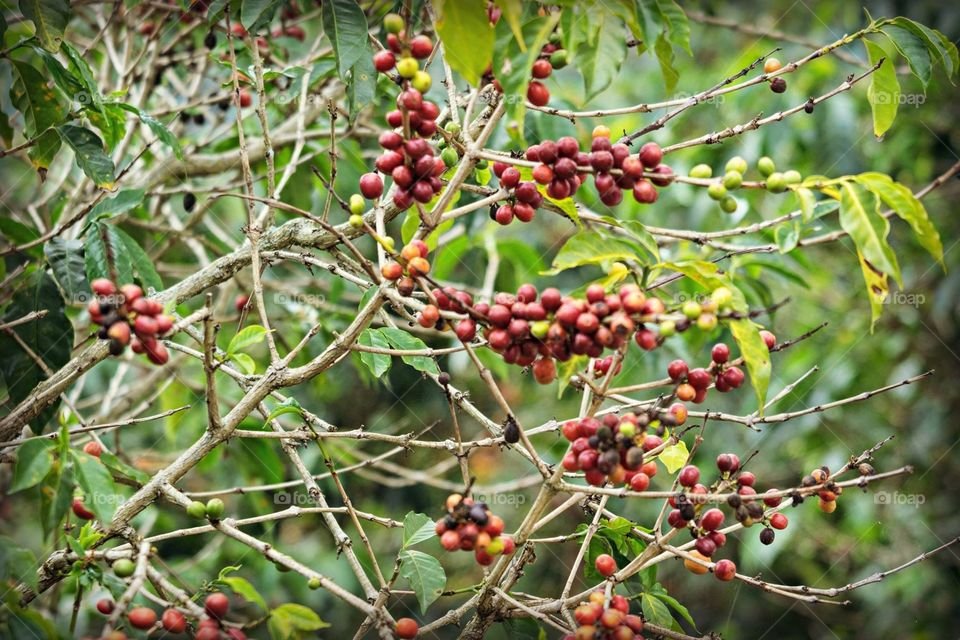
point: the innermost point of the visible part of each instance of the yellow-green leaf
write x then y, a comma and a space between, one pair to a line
877, 289
884, 90
49, 18
755, 355
590, 248
674, 456
467, 36
860, 217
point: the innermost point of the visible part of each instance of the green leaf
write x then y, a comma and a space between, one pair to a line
590, 247
512, 11
674, 457
34, 461
246, 362
88, 152
254, 14
378, 363
644, 237
362, 87
346, 27
467, 36
655, 611
290, 405
912, 49
676, 24
120, 467
884, 90
65, 258
787, 237
90, 93
567, 369
676, 606
20, 565
163, 134
939, 48
41, 109
112, 123
247, 591
50, 338
807, 202
899, 198
425, 575
400, 339
878, 288
100, 493
118, 204
49, 18
55, 503
859, 217
142, 263
417, 527
103, 249
755, 355
664, 53
599, 59
6, 131
293, 621
254, 334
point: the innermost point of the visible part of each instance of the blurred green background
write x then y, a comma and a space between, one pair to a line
869, 532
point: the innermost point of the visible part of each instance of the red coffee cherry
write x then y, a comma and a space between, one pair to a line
768, 338
421, 47
371, 186
142, 617
720, 353
407, 628
383, 61
93, 448
105, 606
778, 521
245, 98
712, 519
605, 565
725, 570
689, 476
81, 511
173, 621
650, 155
538, 94
216, 605
541, 69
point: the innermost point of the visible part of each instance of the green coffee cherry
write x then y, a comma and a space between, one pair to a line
728, 204
388, 243
214, 508
722, 296
356, 221
717, 191
407, 67
452, 128
124, 568
765, 166
421, 81
314, 583
559, 59
393, 23
691, 309
732, 180
736, 163
707, 322
627, 429
196, 510
776, 183
450, 157
701, 171
792, 176
357, 205
540, 328
482, 163
668, 328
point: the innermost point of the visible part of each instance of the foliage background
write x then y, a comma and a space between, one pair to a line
862, 537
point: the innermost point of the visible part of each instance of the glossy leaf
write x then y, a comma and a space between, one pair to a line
49, 18
346, 27
400, 339
243, 588
100, 492
425, 575
590, 247
293, 621
34, 461
467, 35
106, 255
859, 217
378, 363
89, 154
246, 337
417, 527
884, 90
674, 457
65, 258
143, 266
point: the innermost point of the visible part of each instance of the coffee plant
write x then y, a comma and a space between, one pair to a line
270, 202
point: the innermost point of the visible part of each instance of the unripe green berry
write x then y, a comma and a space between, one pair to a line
196, 510
214, 508
559, 59
701, 171
314, 583
356, 221
393, 23
733, 180
765, 166
388, 243
124, 568
722, 296
736, 163
728, 204
540, 328
707, 322
407, 67
421, 81
792, 176
691, 309
776, 183
717, 191
450, 157
357, 205
482, 163
668, 328
628, 429
452, 128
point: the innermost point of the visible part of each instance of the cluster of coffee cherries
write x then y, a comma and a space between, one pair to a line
828, 495
126, 317
455, 300
412, 264
409, 50
614, 448
693, 384
599, 619
719, 188
173, 621
526, 197
778, 84
470, 526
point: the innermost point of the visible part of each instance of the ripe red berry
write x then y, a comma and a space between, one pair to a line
640, 481
772, 501
421, 47
93, 448
81, 511
544, 370
383, 61
720, 353
466, 330
407, 627
538, 94
541, 69
768, 338
605, 565
586, 614
725, 570
245, 98
650, 154
216, 605
746, 479
728, 462
711, 519
664, 175
174, 621
689, 476
778, 521
644, 192
371, 186
142, 617
105, 606
677, 370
